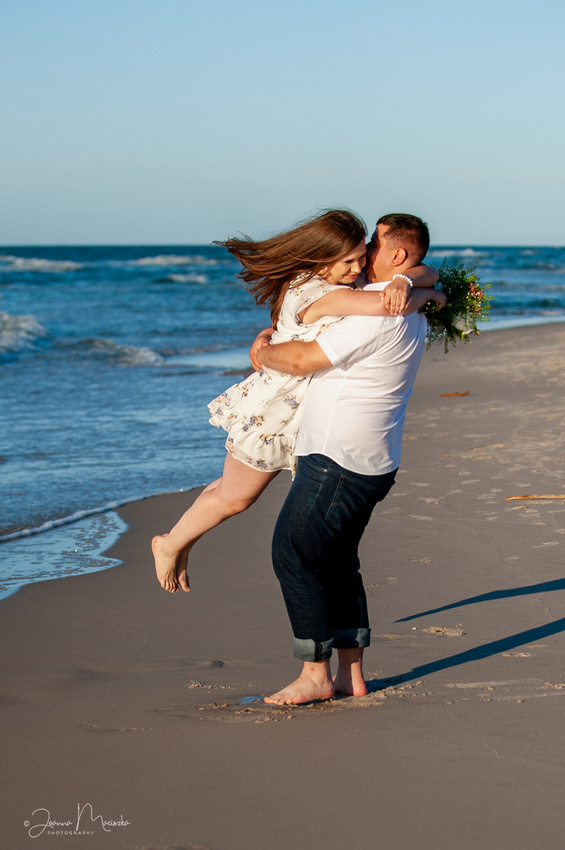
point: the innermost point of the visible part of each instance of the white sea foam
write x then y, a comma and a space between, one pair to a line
455, 252
66, 520
175, 260
72, 546
191, 277
19, 332
36, 264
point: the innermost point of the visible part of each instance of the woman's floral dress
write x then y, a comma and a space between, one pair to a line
261, 414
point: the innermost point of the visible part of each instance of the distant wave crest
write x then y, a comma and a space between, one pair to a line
19, 332
191, 277
36, 264
456, 252
175, 260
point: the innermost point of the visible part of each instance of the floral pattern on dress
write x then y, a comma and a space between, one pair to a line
261, 414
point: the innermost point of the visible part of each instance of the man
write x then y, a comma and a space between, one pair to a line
348, 450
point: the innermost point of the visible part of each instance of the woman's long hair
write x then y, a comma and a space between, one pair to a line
270, 266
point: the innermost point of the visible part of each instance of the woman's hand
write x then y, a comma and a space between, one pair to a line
395, 295
260, 341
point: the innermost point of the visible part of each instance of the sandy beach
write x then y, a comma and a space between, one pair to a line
135, 717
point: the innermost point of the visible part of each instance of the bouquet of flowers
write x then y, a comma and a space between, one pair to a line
467, 304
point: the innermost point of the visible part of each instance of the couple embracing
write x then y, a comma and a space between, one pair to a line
327, 401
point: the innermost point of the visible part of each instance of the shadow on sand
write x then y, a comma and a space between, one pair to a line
545, 587
495, 647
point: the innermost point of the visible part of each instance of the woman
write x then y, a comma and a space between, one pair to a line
305, 275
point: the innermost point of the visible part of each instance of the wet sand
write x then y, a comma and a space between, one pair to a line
147, 706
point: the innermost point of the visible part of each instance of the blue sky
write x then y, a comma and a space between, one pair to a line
175, 122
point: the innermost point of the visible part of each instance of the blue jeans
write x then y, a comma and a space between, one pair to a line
315, 555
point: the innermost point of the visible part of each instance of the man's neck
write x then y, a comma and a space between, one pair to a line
385, 275
373, 278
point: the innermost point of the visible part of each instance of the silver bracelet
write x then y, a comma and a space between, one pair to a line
406, 278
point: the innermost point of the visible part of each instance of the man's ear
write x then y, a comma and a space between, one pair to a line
399, 257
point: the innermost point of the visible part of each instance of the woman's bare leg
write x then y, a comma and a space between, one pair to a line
238, 488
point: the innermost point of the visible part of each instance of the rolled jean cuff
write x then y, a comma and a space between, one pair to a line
351, 638
311, 650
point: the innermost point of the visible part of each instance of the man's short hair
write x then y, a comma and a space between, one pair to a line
408, 231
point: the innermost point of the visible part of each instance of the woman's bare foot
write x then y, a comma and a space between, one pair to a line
182, 576
165, 565
349, 679
314, 683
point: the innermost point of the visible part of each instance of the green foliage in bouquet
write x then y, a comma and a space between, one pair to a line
467, 304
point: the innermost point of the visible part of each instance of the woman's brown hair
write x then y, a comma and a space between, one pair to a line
270, 266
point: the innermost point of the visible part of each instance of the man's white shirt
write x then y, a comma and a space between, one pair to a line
354, 411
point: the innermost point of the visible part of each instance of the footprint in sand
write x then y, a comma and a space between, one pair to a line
440, 630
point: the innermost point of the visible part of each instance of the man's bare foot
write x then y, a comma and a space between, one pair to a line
182, 576
314, 683
349, 679
350, 685
165, 565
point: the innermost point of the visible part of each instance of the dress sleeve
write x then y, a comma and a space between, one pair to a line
308, 293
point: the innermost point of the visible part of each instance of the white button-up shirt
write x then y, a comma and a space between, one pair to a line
354, 411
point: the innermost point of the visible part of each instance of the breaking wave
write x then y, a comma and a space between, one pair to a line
122, 354
19, 332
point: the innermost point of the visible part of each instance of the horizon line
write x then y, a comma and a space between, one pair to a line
211, 245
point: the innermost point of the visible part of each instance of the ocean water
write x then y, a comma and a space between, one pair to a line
108, 356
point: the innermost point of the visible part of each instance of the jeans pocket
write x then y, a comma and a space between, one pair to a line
318, 463
307, 495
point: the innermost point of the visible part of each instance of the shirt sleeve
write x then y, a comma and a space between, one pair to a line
354, 338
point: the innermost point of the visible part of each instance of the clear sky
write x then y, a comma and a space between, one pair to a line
184, 121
